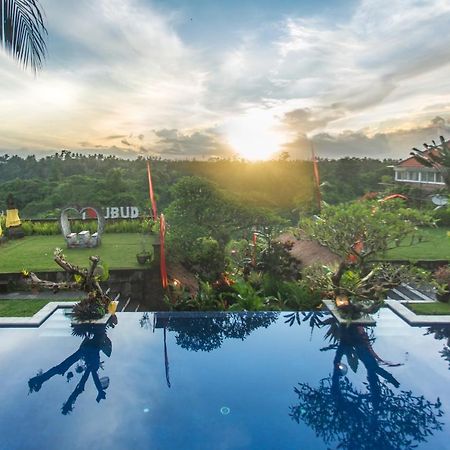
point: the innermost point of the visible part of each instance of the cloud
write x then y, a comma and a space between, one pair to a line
115, 136
118, 69
113, 66
393, 144
203, 143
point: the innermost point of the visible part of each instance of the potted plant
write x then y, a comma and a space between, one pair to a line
144, 255
442, 283
96, 303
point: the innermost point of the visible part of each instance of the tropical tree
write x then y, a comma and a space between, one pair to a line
436, 157
23, 31
206, 217
359, 232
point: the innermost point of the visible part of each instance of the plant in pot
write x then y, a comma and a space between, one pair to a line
358, 291
358, 233
95, 303
441, 278
145, 255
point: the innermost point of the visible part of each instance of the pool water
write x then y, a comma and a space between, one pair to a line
225, 381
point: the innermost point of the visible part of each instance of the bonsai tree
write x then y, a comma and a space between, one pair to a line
359, 232
95, 304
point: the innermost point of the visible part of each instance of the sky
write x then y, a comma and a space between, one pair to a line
250, 78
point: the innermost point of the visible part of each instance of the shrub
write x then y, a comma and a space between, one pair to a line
292, 295
53, 228
207, 257
442, 283
442, 215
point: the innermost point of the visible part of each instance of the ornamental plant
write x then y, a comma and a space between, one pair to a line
441, 277
358, 233
95, 303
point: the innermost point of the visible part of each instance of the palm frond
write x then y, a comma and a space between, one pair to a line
23, 31
422, 159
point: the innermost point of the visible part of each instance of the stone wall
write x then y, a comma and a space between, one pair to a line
142, 285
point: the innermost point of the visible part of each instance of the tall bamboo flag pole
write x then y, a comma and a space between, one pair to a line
152, 195
254, 240
162, 234
316, 176
162, 230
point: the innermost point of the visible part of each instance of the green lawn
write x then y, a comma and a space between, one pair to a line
35, 253
429, 309
436, 245
23, 308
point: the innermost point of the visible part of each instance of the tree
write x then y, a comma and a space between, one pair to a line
200, 210
23, 31
284, 156
358, 232
436, 157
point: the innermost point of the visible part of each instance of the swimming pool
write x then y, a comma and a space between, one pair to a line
225, 381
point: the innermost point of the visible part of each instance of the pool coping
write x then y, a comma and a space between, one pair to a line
38, 319
413, 319
331, 306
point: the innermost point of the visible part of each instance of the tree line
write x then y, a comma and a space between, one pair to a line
42, 186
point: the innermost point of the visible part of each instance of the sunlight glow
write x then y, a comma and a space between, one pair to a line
52, 93
254, 136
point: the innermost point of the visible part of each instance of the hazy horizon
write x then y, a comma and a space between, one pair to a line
183, 79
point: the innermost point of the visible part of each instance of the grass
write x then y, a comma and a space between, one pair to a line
429, 309
436, 245
23, 308
35, 253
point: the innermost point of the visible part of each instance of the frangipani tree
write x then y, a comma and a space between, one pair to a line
359, 232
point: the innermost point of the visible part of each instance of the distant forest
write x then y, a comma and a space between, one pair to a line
42, 186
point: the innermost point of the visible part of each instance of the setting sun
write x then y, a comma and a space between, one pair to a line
254, 136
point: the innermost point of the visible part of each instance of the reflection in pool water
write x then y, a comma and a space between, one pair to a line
442, 332
236, 381
375, 417
87, 360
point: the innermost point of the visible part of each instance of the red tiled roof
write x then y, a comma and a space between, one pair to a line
411, 162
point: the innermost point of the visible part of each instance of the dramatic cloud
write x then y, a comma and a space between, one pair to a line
204, 144
367, 82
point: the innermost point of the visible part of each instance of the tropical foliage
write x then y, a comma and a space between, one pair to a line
95, 303
42, 186
437, 157
23, 32
358, 232
202, 215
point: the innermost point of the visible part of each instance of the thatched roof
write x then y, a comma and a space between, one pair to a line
309, 252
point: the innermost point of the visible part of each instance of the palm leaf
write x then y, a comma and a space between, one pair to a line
22, 31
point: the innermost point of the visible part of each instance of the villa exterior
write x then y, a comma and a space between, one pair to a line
412, 172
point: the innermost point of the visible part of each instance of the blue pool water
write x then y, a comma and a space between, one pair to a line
225, 381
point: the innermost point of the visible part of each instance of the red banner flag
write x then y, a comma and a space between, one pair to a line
150, 188
316, 176
162, 234
254, 249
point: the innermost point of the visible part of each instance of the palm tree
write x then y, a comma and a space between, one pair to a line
436, 157
22, 31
